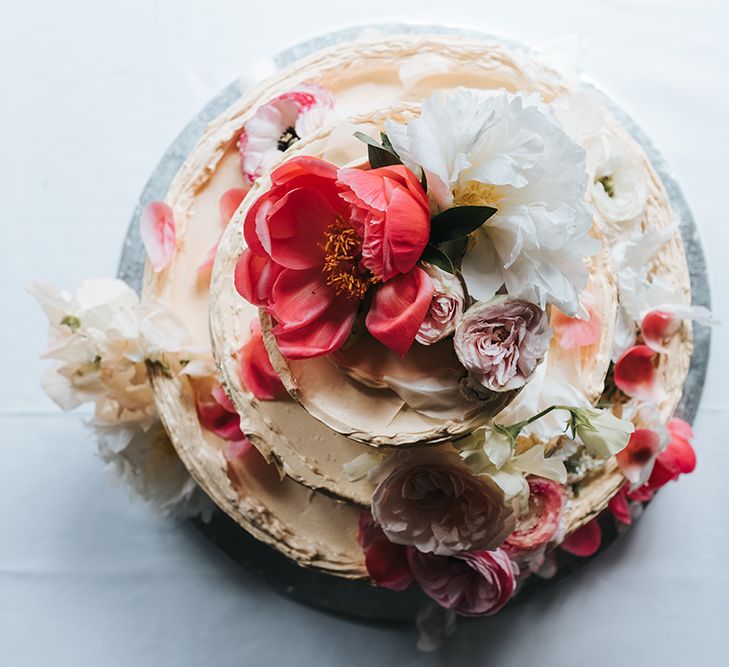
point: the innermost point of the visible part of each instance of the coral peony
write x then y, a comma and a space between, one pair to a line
312, 256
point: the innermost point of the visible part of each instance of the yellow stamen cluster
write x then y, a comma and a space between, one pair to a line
341, 268
474, 193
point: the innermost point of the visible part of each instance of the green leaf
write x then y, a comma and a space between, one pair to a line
379, 156
459, 221
434, 255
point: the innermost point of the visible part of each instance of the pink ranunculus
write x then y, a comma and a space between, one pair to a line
391, 213
501, 343
256, 371
157, 227
304, 263
636, 375
386, 562
540, 523
438, 508
278, 124
445, 308
479, 583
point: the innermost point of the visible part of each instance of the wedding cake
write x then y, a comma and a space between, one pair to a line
416, 311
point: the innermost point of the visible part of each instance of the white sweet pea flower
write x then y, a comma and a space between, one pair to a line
601, 431
101, 339
618, 182
506, 151
489, 451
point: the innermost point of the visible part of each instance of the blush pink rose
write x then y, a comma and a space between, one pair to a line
472, 584
501, 342
445, 307
438, 508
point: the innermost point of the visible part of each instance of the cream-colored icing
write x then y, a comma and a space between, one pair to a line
361, 77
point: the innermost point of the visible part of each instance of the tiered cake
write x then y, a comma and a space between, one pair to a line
449, 312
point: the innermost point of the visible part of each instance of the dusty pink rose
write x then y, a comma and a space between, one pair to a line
501, 342
438, 508
445, 307
472, 584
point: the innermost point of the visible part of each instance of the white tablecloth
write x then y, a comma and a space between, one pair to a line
92, 94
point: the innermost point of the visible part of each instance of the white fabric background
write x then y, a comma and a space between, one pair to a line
91, 94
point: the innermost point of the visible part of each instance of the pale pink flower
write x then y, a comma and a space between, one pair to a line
501, 343
445, 308
440, 509
278, 124
472, 584
157, 227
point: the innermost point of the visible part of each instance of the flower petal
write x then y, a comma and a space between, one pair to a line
636, 460
635, 374
659, 325
157, 227
678, 458
619, 506
256, 370
386, 562
574, 332
229, 202
585, 541
321, 336
255, 277
217, 414
299, 297
398, 309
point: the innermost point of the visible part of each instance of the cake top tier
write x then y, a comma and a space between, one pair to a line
407, 286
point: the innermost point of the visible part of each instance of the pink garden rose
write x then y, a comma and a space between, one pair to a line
320, 240
445, 308
441, 509
472, 584
501, 343
386, 562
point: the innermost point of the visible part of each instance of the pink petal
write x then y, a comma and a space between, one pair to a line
657, 327
256, 371
295, 226
303, 167
229, 202
541, 522
635, 374
619, 506
207, 263
217, 414
678, 458
386, 563
642, 448
255, 276
321, 336
237, 449
585, 541
299, 297
573, 332
398, 309
157, 227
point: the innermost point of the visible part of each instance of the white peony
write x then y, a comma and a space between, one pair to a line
507, 151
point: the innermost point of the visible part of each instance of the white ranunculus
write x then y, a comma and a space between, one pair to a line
507, 151
602, 432
618, 182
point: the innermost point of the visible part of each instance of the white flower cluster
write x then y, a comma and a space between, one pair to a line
101, 340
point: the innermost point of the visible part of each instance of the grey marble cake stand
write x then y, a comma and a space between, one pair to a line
352, 597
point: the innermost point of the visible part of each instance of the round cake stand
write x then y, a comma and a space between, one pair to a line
357, 598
